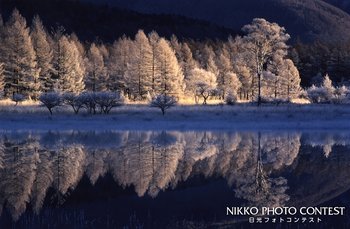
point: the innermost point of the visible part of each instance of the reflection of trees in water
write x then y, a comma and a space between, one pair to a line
18, 174
68, 163
96, 161
149, 161
258, 188
327, 140
43, 180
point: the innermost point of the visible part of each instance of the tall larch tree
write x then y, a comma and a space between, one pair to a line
153, 40
78, 53
187, 61
290, 82
21, 73
96, 77
68, 66
224, 68
170, 80
120, 54
44, 54
176, 46
140, 67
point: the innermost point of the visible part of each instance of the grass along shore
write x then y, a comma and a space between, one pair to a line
29, 116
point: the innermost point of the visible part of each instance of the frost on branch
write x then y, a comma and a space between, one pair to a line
107, 100
326, 93
50, 100
163, 102
72, 100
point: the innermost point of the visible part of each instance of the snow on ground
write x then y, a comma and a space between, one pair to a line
211, 117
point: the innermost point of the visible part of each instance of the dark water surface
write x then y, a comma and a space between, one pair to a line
169, 179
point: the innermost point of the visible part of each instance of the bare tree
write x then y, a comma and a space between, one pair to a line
50, 100
163, 102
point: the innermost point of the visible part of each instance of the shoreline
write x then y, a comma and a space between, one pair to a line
141, 117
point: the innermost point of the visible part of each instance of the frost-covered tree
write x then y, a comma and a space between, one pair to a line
75, 40
96, 77
79, 68
68, 68
153, 41
176, 46
73, 100
207, 60
341, 95
170, 79
264, 41
201, 83
44, 54
163, 102
18, 55
327, 85
187, 62
245, 77
282, 80
290, 79
108, 100
323, 94
120, 55
232, 84
243, 66
224, 67
140, 67
50, 100
316, 94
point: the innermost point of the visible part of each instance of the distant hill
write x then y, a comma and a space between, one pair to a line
307, 19
91, 21
342, 4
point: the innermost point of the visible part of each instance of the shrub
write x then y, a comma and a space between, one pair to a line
318, 95
341, 95
73, 100
87, 99
231, 99
17, 98
50, 100
107, 100
164, 102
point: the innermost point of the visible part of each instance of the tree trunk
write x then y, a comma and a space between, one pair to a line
259, 89
205, 99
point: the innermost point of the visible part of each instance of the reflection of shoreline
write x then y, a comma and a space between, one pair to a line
151, 162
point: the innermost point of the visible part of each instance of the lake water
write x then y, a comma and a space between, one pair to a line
169, 179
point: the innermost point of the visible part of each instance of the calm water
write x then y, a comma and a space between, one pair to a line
168, 179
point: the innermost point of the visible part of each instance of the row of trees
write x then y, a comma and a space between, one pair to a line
256, 65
